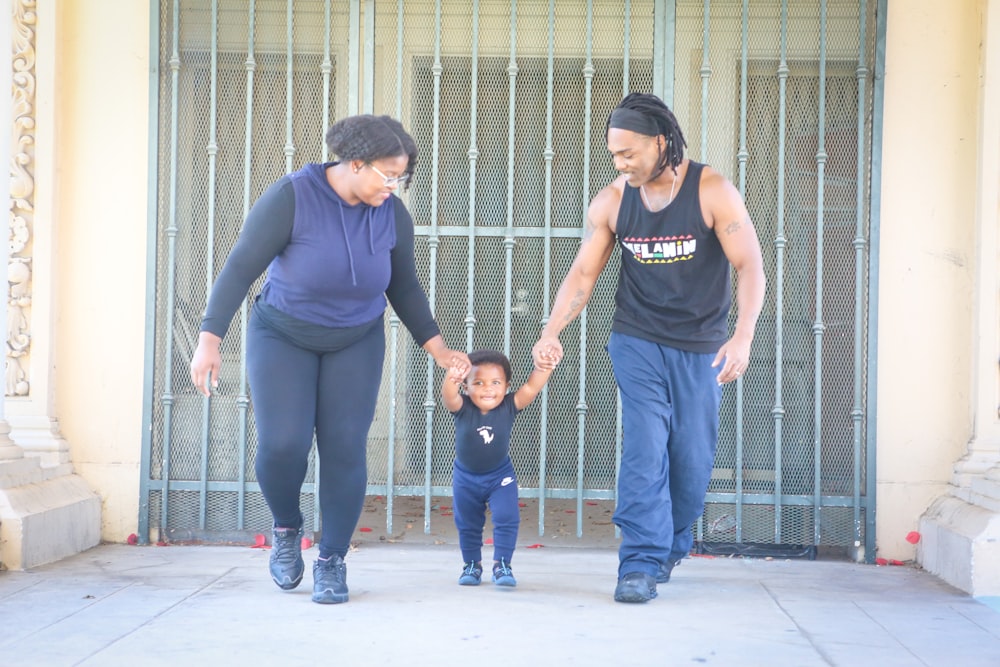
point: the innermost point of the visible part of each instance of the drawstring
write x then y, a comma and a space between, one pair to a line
369, 216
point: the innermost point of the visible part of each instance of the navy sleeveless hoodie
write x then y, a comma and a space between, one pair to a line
673, 284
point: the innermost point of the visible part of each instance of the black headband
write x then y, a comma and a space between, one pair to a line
635, 121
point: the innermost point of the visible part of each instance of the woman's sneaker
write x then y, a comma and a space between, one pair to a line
472, 574
286, 563
502, 574
330, 580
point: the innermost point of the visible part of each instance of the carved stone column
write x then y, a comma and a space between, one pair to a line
46, 511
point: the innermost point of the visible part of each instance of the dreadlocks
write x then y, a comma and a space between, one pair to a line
666, 124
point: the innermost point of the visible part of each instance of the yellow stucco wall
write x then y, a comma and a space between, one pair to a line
927, 250
102, 135
928, 225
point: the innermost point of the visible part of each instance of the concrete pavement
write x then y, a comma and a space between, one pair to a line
215, 605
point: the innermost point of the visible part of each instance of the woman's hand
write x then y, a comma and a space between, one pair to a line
206, 362
447, 358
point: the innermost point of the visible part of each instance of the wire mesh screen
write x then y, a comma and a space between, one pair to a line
225, 137
508, 105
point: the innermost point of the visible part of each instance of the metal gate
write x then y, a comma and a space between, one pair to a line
507, 102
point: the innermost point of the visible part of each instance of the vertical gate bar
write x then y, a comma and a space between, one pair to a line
289, 81
508, 242
626, 46
399, 60
168, 396
353, 76
473, 155
664, 43
618, 451
152, 229
549, 154
818, 325
581, 406
368, 54
394, 321
705, 72
432, 243
390, 464
860, 244
658, 48
326, 68
779, 254
669, 46
742, 155
242, 398
212, 150
874, 239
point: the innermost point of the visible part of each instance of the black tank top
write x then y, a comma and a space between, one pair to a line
673, 285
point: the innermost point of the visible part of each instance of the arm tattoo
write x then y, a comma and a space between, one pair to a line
733, 227
575, 306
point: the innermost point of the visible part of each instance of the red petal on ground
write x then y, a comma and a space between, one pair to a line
306, 543
365, 529
591, 502
570, 511
881, 561
488, 540
133, 539
913, 537
534, 546
522, 504
259, 542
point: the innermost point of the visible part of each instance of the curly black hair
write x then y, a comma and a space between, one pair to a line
367, 138
481, 357
653, 107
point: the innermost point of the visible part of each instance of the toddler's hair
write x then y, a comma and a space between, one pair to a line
480, 357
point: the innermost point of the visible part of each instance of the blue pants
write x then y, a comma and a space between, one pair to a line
298, 392
670, 423
472, 493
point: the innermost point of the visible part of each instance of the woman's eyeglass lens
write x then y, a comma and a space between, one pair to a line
390, 180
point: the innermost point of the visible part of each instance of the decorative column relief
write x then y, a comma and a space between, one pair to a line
22, 195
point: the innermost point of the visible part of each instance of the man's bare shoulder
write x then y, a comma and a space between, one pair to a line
714, 183
605, 204
720, 200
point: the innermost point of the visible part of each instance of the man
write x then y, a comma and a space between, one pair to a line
680, 225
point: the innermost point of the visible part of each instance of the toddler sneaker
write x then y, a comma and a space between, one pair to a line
472, 574
502, 574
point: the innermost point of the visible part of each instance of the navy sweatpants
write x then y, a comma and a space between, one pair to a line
298, 392
670, 424
472, 493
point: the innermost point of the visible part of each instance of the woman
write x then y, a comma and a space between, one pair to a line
335, 243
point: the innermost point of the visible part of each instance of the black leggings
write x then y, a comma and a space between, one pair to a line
297, 392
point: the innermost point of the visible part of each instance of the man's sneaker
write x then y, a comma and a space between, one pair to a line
502, 574
286, 564
663, 576
472, 574
635, 587
330, 580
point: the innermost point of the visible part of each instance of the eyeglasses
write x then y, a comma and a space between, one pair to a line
390, 181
